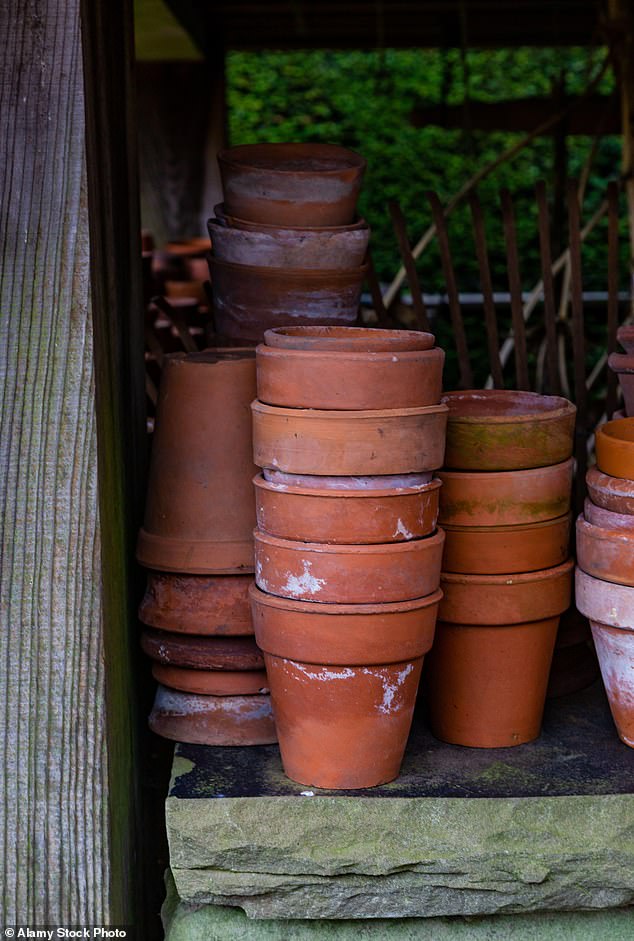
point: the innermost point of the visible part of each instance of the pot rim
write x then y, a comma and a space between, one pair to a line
621, 363
260, 481
343, 415
510, 528
319, 608
333, 335
360, 356
231, 157
610, 430
284, 231
294, 274
596, 531
235, 222
519, 578
326, 548
614, 486
512, 475
560, 407
212, 356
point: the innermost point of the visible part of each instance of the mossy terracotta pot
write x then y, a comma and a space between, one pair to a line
615, 448
202, 653
499, 550
327, 379
213, 720
211, 682
348, 339
505, 498
306, 184
625, 336
346, 516
343, 443
501, 429
197, 604
611, 493
607, 554
348, 574
290, 248
607, 519
199, 515
623, 365
248, 300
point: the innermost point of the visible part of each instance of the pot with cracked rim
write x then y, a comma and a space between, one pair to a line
211, 682
197, 604
213, 720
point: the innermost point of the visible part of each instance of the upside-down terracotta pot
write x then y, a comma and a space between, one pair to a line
202, 653
505, 498
342, 443
611, 493
211, 682
348, 339
623, 365
271, 247
346, 516
607, 519
249, 300
607, 554
305, 184
348, 574
213, 720
197, 604
615, 448
326, 379
199, 514
499, 550
610, 609
625, 336
501, 429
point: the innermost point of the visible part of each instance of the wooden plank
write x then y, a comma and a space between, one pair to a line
486, 286
515, 287
578, 341
550, 310
613, 290
400, 230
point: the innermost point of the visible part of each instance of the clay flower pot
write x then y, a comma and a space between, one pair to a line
348, 574
213, 720
271, 247
202, 653
249, 300
625, 336
291, 184
611, 493
199, 513
323, 482
500, 429
343, 380
505, 498
235, 222
342, 443
211, 682
197, 604
607, 519
346, 516
623, 365
607, 554
499, 550
348, 339
615, 448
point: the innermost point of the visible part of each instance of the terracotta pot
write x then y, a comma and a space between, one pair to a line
500, 429
607, 519
312, 441
235, 222
213, 720
211, 682
499, 550
344, 634
249, 300
605, 553
623, 365
506, 599
348, 339
290, 248
342, 380
202, 653
348, 574
505, 498
199, 513
291, 184
197, 604
625, 336
323, 482
615, 448
346, 516
611, 493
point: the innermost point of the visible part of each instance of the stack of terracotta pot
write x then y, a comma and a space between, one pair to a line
605, 571
286, 246
197, 543
348, 430
623, 365
505, 508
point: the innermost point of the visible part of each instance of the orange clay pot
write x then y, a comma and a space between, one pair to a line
213, 720
348, 574
211, 682
611, 493
615, 448
340, 443
348, 339
343, 634
499, 550
342, 380
500, 429
607, 554
197, 604
346, 516
199, 513
202, 653
505, 498
293, 184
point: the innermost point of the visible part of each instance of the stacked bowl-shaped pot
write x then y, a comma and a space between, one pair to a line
286, 246
505, 509
197, 544
605, 566
348, 430
623, 365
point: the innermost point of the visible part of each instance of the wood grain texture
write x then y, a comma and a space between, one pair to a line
54, 852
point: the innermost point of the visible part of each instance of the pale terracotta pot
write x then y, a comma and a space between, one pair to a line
211, 682
501, 429
607, 519
499, 550
615, 448
331, 379
623, 365
607, 554
202, 653
346, 516
197, 604
348, 339
213, 720
313, 441
611, 493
